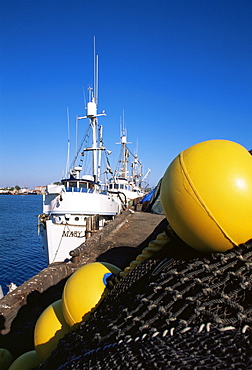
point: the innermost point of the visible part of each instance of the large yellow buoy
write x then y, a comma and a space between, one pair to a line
6, 359
84, 290
49, 329
27, 361
206, 194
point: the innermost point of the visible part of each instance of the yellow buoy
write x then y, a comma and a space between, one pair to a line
84, 290
206, 194
26, 361
6, 359
50, 328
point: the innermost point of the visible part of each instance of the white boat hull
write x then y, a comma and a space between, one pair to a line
65, 225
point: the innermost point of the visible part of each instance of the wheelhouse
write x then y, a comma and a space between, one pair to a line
81, 186
119, 185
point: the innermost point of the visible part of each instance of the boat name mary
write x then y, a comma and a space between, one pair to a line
73, 234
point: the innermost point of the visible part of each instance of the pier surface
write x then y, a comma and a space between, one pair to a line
124, 241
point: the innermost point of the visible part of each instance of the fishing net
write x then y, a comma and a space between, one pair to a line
179, 309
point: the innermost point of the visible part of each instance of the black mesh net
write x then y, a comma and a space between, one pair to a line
179, 309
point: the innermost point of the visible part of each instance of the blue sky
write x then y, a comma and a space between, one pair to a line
180, 69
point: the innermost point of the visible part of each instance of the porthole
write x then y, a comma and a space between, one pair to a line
76, 218
67, 216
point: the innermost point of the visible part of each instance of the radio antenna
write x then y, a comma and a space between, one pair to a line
95, 74
68, 144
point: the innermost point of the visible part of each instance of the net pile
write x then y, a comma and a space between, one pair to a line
180, 309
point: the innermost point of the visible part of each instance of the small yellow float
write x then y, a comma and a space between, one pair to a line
27, 361
6, 359
84, 290
50, 328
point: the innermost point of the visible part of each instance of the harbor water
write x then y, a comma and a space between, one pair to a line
21, 250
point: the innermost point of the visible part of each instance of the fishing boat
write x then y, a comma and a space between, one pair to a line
126, 184
81, 203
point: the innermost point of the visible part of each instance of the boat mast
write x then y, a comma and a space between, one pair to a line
123, 172
92, 115
124, 154
94, 122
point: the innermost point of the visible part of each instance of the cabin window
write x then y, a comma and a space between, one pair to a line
116, 186
72, 184
83, 185
121, 186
